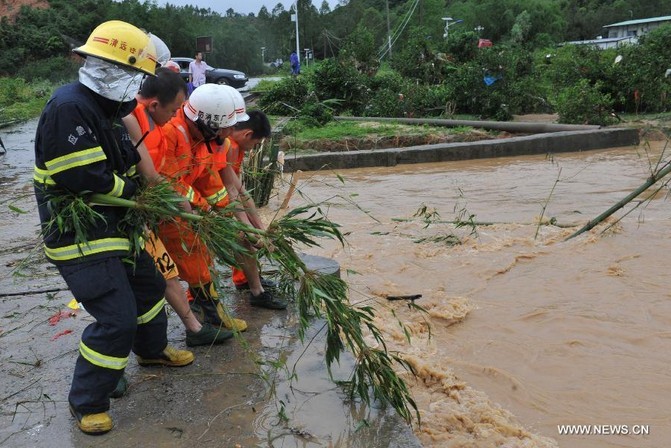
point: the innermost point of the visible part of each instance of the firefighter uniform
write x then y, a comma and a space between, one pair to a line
221, 161
190, 165
81, 146
155, 143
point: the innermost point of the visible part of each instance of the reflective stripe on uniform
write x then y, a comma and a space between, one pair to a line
75, 159
89, 248
42, 176
132, 171
181, 129
190, 194
216, 197
117, 189
152, 313
100, 360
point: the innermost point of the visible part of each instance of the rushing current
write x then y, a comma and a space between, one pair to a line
525, 336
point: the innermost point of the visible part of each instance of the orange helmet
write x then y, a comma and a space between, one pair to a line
121, 43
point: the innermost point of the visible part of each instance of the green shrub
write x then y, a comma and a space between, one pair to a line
640, 76
389, 80
314, 113
337, 80
584, 103
386, 102
285, 97
56, 69
20, 100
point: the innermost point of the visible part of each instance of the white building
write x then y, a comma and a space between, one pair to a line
635, 28
623, 33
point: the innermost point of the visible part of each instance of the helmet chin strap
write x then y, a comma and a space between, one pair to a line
208, 134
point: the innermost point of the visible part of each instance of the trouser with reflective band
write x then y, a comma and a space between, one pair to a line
127, 301
187, 251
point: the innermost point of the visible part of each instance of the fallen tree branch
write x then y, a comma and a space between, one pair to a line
651, 181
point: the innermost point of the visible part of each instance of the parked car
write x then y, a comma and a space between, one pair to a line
233, 78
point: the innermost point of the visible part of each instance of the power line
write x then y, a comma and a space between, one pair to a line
399, 30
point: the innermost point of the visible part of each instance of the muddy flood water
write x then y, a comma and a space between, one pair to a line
525, 336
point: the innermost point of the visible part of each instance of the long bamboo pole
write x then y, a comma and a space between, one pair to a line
651, 180
292, 188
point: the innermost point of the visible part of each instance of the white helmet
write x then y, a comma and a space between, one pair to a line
211, 105
162, 50
239, 101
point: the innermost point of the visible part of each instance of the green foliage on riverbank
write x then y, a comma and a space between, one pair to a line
21, 100
582, 84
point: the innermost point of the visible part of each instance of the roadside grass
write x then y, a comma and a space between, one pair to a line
298, 137
361, 129
264, 85
658, 118
20, 100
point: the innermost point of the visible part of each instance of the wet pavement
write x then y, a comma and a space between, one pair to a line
232, 395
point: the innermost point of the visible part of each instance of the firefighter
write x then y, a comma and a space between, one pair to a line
158, 100
196, 133
250, 130
81, 146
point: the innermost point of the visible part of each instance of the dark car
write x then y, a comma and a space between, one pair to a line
232, 78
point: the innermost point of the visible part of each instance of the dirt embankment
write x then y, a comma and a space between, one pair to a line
10, 8
382, 142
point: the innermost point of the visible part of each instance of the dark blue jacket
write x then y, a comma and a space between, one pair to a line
82, 147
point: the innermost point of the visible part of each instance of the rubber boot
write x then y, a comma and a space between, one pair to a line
208, 309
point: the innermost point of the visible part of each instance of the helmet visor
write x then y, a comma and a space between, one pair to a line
116, 83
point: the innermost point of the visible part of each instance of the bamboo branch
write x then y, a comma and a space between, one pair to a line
103, 199
651, 181
292, 188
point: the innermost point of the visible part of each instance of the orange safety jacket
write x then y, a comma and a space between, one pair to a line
237, 163
154, 139
237, 275
192, 165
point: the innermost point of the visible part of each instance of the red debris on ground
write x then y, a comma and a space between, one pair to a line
62, 333
53, 320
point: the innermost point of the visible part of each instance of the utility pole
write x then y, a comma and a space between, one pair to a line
294, 18
388, 31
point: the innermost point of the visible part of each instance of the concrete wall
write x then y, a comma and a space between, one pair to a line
556, 142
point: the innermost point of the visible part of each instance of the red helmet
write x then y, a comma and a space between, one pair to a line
172, 65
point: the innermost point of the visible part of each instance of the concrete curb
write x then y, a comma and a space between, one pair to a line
554, 142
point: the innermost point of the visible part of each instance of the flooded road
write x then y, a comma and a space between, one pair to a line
528, 331
522, 331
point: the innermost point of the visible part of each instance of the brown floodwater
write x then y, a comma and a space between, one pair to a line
523, 331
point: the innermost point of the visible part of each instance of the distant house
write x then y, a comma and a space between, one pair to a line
623, 33
602, 43
635, 28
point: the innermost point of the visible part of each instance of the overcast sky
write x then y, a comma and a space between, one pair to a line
240, 6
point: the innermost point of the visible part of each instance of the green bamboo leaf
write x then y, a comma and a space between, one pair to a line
16, 209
